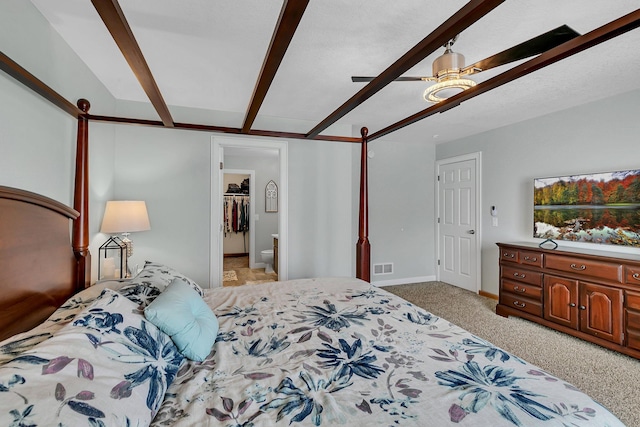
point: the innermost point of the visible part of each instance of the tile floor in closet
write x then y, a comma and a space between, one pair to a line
237, 272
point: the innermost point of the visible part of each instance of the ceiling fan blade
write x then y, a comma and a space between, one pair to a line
359, 79
531, 47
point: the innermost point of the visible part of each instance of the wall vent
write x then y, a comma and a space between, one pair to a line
386, 268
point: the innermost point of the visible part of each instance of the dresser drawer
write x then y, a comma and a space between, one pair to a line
632, 275
633, 320
522, 275
530, 258
591, 268
633, 329
633, 300
524, 304
534, 292
633, 339
509, 255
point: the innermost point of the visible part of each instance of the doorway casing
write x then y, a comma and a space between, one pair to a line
217, 172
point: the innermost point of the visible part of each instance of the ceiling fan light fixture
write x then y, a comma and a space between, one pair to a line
447, 63
452, 86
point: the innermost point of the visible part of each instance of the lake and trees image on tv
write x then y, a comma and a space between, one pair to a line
597, 208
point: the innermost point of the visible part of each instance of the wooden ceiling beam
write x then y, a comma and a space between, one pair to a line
221, 129
32, 82
290, 16
457, 23
606, 32
115, 21
13, 69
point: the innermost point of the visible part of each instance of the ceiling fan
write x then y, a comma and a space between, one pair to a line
449, 68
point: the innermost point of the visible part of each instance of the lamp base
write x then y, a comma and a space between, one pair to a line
129, 243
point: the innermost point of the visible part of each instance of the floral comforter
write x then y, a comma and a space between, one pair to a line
311, 352
339, 351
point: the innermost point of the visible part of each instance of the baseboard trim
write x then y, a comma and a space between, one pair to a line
404, 281
488, 295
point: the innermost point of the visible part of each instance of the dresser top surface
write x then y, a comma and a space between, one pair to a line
565, 250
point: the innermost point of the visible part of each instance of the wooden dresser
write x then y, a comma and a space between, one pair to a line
593, 295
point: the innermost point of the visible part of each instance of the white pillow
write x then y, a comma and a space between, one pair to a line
161, 276
152, 281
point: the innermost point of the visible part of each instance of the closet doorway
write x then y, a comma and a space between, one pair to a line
239, 214
226, 156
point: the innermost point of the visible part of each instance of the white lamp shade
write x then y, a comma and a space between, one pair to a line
125, 216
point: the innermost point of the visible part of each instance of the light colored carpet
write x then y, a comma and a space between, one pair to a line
608, 377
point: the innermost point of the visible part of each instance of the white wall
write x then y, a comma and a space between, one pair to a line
170, 170
597, 137
321, 193
37, 139
402, 210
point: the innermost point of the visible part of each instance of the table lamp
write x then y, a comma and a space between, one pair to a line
125, 217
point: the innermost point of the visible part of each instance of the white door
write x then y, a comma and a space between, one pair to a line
457, 228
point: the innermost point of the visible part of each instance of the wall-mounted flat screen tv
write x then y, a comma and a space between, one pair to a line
599, 208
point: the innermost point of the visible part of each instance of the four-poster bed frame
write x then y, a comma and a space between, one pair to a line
26, 211
35, 239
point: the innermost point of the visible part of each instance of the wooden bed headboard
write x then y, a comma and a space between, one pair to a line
37, 262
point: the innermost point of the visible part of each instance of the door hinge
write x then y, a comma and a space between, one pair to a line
438, 220
221, 165
438, 177
438, 262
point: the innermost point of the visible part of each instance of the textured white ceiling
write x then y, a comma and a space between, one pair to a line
208, 53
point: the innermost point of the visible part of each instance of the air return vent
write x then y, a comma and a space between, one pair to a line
383, 268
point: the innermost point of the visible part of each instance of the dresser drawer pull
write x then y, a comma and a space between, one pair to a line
519, 304
534, 259
508, 255
573, 304
519, 289
636, 276
582, 307
520, 275
575, 267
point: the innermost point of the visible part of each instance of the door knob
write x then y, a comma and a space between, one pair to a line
471, 231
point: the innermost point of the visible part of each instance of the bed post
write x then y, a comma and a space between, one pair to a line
81, 201
363, 248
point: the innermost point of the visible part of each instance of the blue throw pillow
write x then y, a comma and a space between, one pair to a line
180, 312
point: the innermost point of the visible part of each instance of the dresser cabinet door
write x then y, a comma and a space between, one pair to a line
561, 301
601, 311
